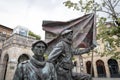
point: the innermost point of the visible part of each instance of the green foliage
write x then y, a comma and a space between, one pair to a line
110, 35
88, 6
116, 55
83, 7
107, 34
34, 35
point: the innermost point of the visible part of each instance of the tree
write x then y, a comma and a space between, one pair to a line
109, 35
34, 35
106, 6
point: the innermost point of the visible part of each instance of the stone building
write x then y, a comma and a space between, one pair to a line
15, 48
5, 32
101, 66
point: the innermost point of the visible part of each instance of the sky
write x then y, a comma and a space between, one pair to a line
31, 13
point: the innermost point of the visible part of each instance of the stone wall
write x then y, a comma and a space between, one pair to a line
96, 57
5, 30
14, 47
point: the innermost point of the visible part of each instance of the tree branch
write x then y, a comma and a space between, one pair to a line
116, 3
112, 10
105, 12
106, 2
106, 8
110, 6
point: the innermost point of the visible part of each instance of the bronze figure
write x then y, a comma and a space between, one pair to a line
36, 68
61, 56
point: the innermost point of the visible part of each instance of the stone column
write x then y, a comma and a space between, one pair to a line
95, 69
10, 70
3, 68
107, 69
85, 67
119, 65
2, 71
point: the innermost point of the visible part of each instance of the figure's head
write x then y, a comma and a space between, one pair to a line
39, 48
67, 34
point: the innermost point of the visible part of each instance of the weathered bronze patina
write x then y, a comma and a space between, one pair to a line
36, 68
61, 57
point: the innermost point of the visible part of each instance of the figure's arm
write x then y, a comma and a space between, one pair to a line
80, 52
18, 73
86, 50
55, 53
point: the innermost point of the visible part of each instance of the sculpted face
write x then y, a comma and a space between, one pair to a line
39, 49
69, 36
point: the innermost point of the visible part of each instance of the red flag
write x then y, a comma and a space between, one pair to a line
83, 30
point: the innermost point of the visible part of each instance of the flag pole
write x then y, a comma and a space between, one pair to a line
94, 39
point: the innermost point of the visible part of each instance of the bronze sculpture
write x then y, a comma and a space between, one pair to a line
61, 56
36, 68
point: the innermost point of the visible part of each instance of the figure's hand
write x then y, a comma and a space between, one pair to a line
92, 46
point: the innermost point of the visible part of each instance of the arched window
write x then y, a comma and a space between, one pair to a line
113, 67
88, 68
5, 64
22, 58
100, 68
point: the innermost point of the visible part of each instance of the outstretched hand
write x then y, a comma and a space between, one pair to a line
92, 46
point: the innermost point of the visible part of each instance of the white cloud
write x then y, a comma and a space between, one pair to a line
31, 13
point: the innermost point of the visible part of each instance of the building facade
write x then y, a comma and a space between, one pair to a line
15, 48
5, 32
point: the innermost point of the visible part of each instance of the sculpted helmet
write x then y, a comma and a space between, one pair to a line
40, 41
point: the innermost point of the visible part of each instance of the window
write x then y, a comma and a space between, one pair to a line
100, 68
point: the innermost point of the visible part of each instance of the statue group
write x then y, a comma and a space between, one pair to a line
59, 64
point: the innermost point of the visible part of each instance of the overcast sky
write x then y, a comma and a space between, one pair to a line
31, 13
